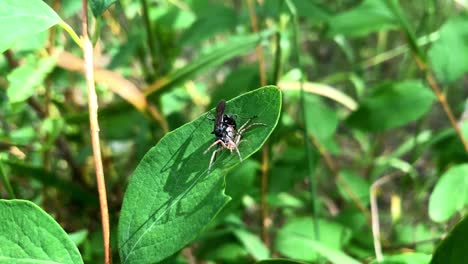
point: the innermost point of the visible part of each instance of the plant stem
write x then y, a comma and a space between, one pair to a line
375, 214
6, 181
265, 221
442, 99
94, 130
150, 37
307, 145
259, 50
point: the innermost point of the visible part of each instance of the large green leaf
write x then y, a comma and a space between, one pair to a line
296, 239
391, 105
22, 18
172, 196
454, 248
99, 6
450, 194
447, 52
30, 235
369, 16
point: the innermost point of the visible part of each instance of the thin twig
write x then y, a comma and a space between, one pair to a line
307, 145
259, 50
375, 214
264, 206
150, 37
265, 221
94, 130
441, 97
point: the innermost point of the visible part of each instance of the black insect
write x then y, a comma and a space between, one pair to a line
225, 130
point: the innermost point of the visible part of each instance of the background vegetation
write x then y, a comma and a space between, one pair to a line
365, 159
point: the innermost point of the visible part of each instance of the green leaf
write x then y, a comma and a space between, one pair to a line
351, 182
369, 16
99, 6
446, 52
30, 235
252, 244
78, 237
450, 194
279, 261
25, 79
296, 240
321, 120
392, 105
22, 18
454, 248
172, 196
406, 258
207, 24
215, 56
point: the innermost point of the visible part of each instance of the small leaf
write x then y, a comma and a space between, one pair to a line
22, 18
405, 258
252, 244
454, 248
279, 261
99, 6
25, 79
392, 105
207, 24
352, 184
171, 196
322, 121
446, 52
296, 239
369, 16
30, 235
450, 194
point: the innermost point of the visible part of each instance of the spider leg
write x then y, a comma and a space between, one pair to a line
212, 159
214, 144
238, 153
244, 128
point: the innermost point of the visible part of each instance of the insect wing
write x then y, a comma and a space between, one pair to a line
219, 115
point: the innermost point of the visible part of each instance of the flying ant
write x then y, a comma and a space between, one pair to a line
226, 133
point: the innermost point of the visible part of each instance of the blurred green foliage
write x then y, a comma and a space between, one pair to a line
370, 113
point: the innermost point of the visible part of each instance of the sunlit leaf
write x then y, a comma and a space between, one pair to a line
172, 196
369, 16
392, 105
446, 53
23, 18
450, 194
297, 239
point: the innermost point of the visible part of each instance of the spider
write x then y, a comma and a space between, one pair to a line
225, 130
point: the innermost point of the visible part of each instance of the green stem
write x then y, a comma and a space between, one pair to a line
307, 145
72, 33
150, 37
97, 32
6, 181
